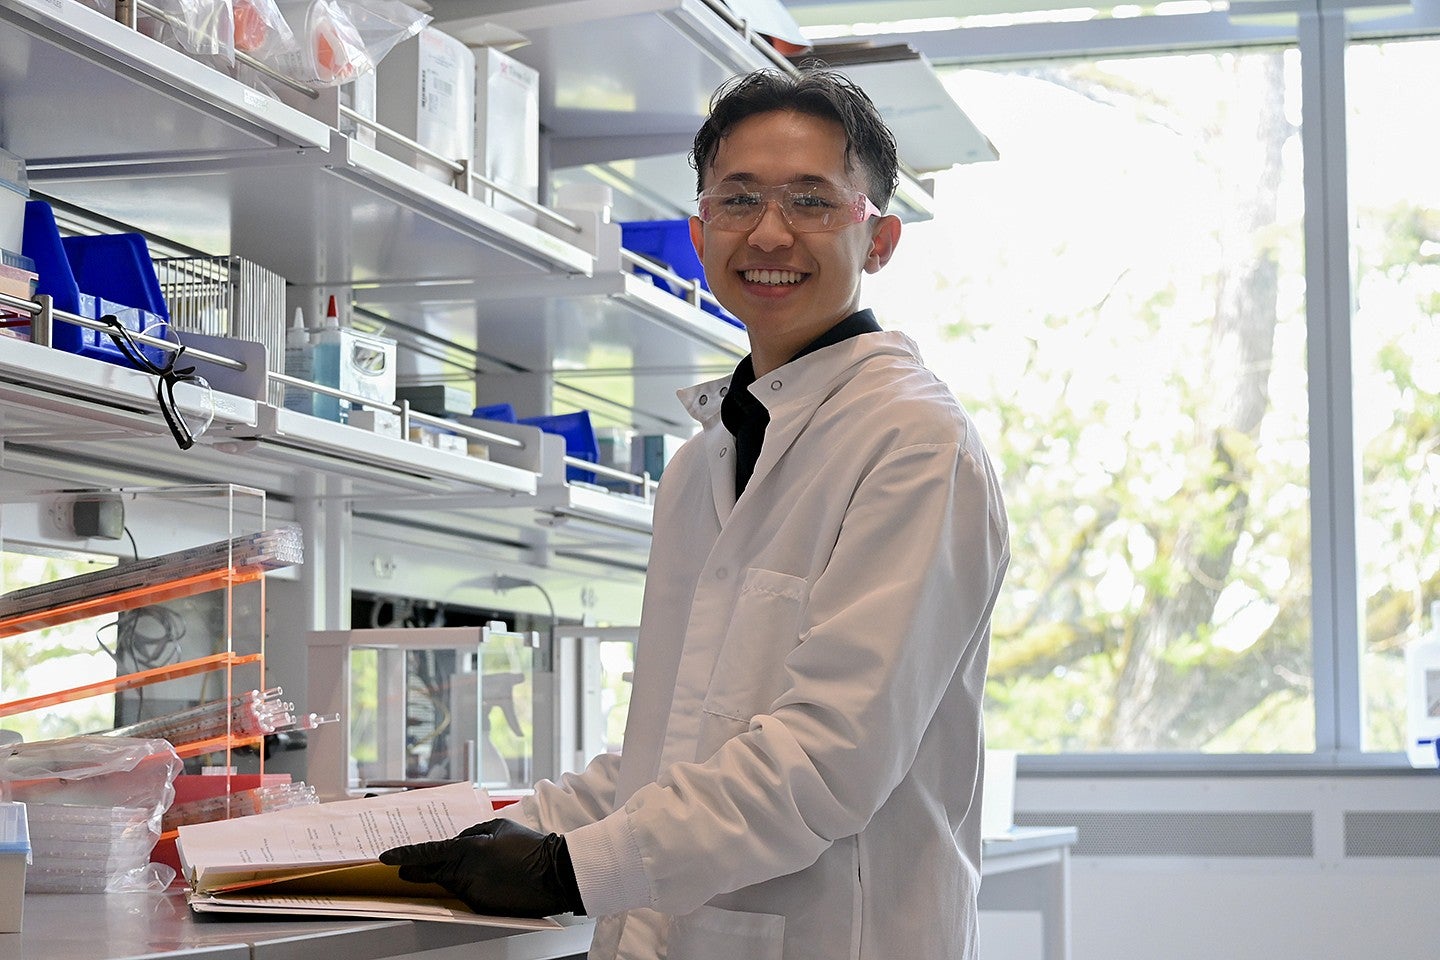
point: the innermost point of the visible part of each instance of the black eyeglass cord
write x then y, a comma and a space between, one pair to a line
167, 373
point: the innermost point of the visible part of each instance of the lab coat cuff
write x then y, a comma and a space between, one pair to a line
608, 866
522, 811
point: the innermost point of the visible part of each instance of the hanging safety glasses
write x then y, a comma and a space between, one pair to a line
168, 375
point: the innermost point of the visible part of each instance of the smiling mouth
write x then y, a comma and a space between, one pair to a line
773, 278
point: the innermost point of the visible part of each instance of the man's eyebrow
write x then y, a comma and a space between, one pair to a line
747, 177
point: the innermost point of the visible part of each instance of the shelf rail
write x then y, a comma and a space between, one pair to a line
463, 173
130, 681
695, 294
644, 481
43, 315
409, 416
128, 13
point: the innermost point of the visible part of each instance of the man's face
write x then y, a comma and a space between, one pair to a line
788, 286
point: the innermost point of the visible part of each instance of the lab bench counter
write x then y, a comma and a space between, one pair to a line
137, 926
1028, 870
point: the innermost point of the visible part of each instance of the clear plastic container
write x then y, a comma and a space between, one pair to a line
14, 857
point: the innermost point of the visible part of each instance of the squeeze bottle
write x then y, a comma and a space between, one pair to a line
325, 366
297, 363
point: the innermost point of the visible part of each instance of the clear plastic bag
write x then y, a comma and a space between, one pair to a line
261, 30
94, 804
339, 40
202, 28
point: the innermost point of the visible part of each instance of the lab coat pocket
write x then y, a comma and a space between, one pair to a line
749, 671
710, 933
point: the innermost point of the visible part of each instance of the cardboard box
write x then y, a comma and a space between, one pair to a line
507, 129
381, 422
434, 437
425, 89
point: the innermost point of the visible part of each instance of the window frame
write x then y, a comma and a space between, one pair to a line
1321, 31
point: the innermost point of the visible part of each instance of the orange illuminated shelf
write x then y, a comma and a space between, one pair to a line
127, 599
130, 681
213, 745
184, 573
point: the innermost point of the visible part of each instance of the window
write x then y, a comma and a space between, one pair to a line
1394, 188
1120, 303
55, 658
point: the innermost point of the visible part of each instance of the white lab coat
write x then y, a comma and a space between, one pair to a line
802, 759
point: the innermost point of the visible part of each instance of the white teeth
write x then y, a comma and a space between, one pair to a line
773, 277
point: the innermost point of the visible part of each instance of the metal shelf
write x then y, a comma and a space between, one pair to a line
150, 138
84, 420
51, 400
296, 440
578, 520
613, 326
328, 217
625, 85
53, 397
616, 74
78, 85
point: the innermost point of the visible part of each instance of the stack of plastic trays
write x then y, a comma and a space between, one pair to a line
85, 849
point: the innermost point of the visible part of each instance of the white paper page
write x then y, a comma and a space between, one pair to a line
345, 831
358, 907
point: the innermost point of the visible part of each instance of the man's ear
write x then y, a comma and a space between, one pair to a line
697, 237
882, 243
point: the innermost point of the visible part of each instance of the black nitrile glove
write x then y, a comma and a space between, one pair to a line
498, 868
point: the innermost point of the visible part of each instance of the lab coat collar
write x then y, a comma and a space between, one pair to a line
800, 377
702, 401
794, 391
791, 393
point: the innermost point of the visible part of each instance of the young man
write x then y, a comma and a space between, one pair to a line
803, 753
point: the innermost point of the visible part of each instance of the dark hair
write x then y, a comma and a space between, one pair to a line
816, 92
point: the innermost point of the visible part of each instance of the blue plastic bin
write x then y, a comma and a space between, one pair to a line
668, 241
503, 412
579, 435
92, 277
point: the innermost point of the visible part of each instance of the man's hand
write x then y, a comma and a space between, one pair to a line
498, 868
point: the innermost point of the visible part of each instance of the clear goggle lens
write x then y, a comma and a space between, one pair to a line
806, 207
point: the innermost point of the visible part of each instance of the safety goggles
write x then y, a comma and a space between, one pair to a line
807, 207
168, 375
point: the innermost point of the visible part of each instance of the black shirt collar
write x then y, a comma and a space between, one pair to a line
861, 321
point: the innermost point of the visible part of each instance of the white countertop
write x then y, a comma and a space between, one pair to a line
132, 926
